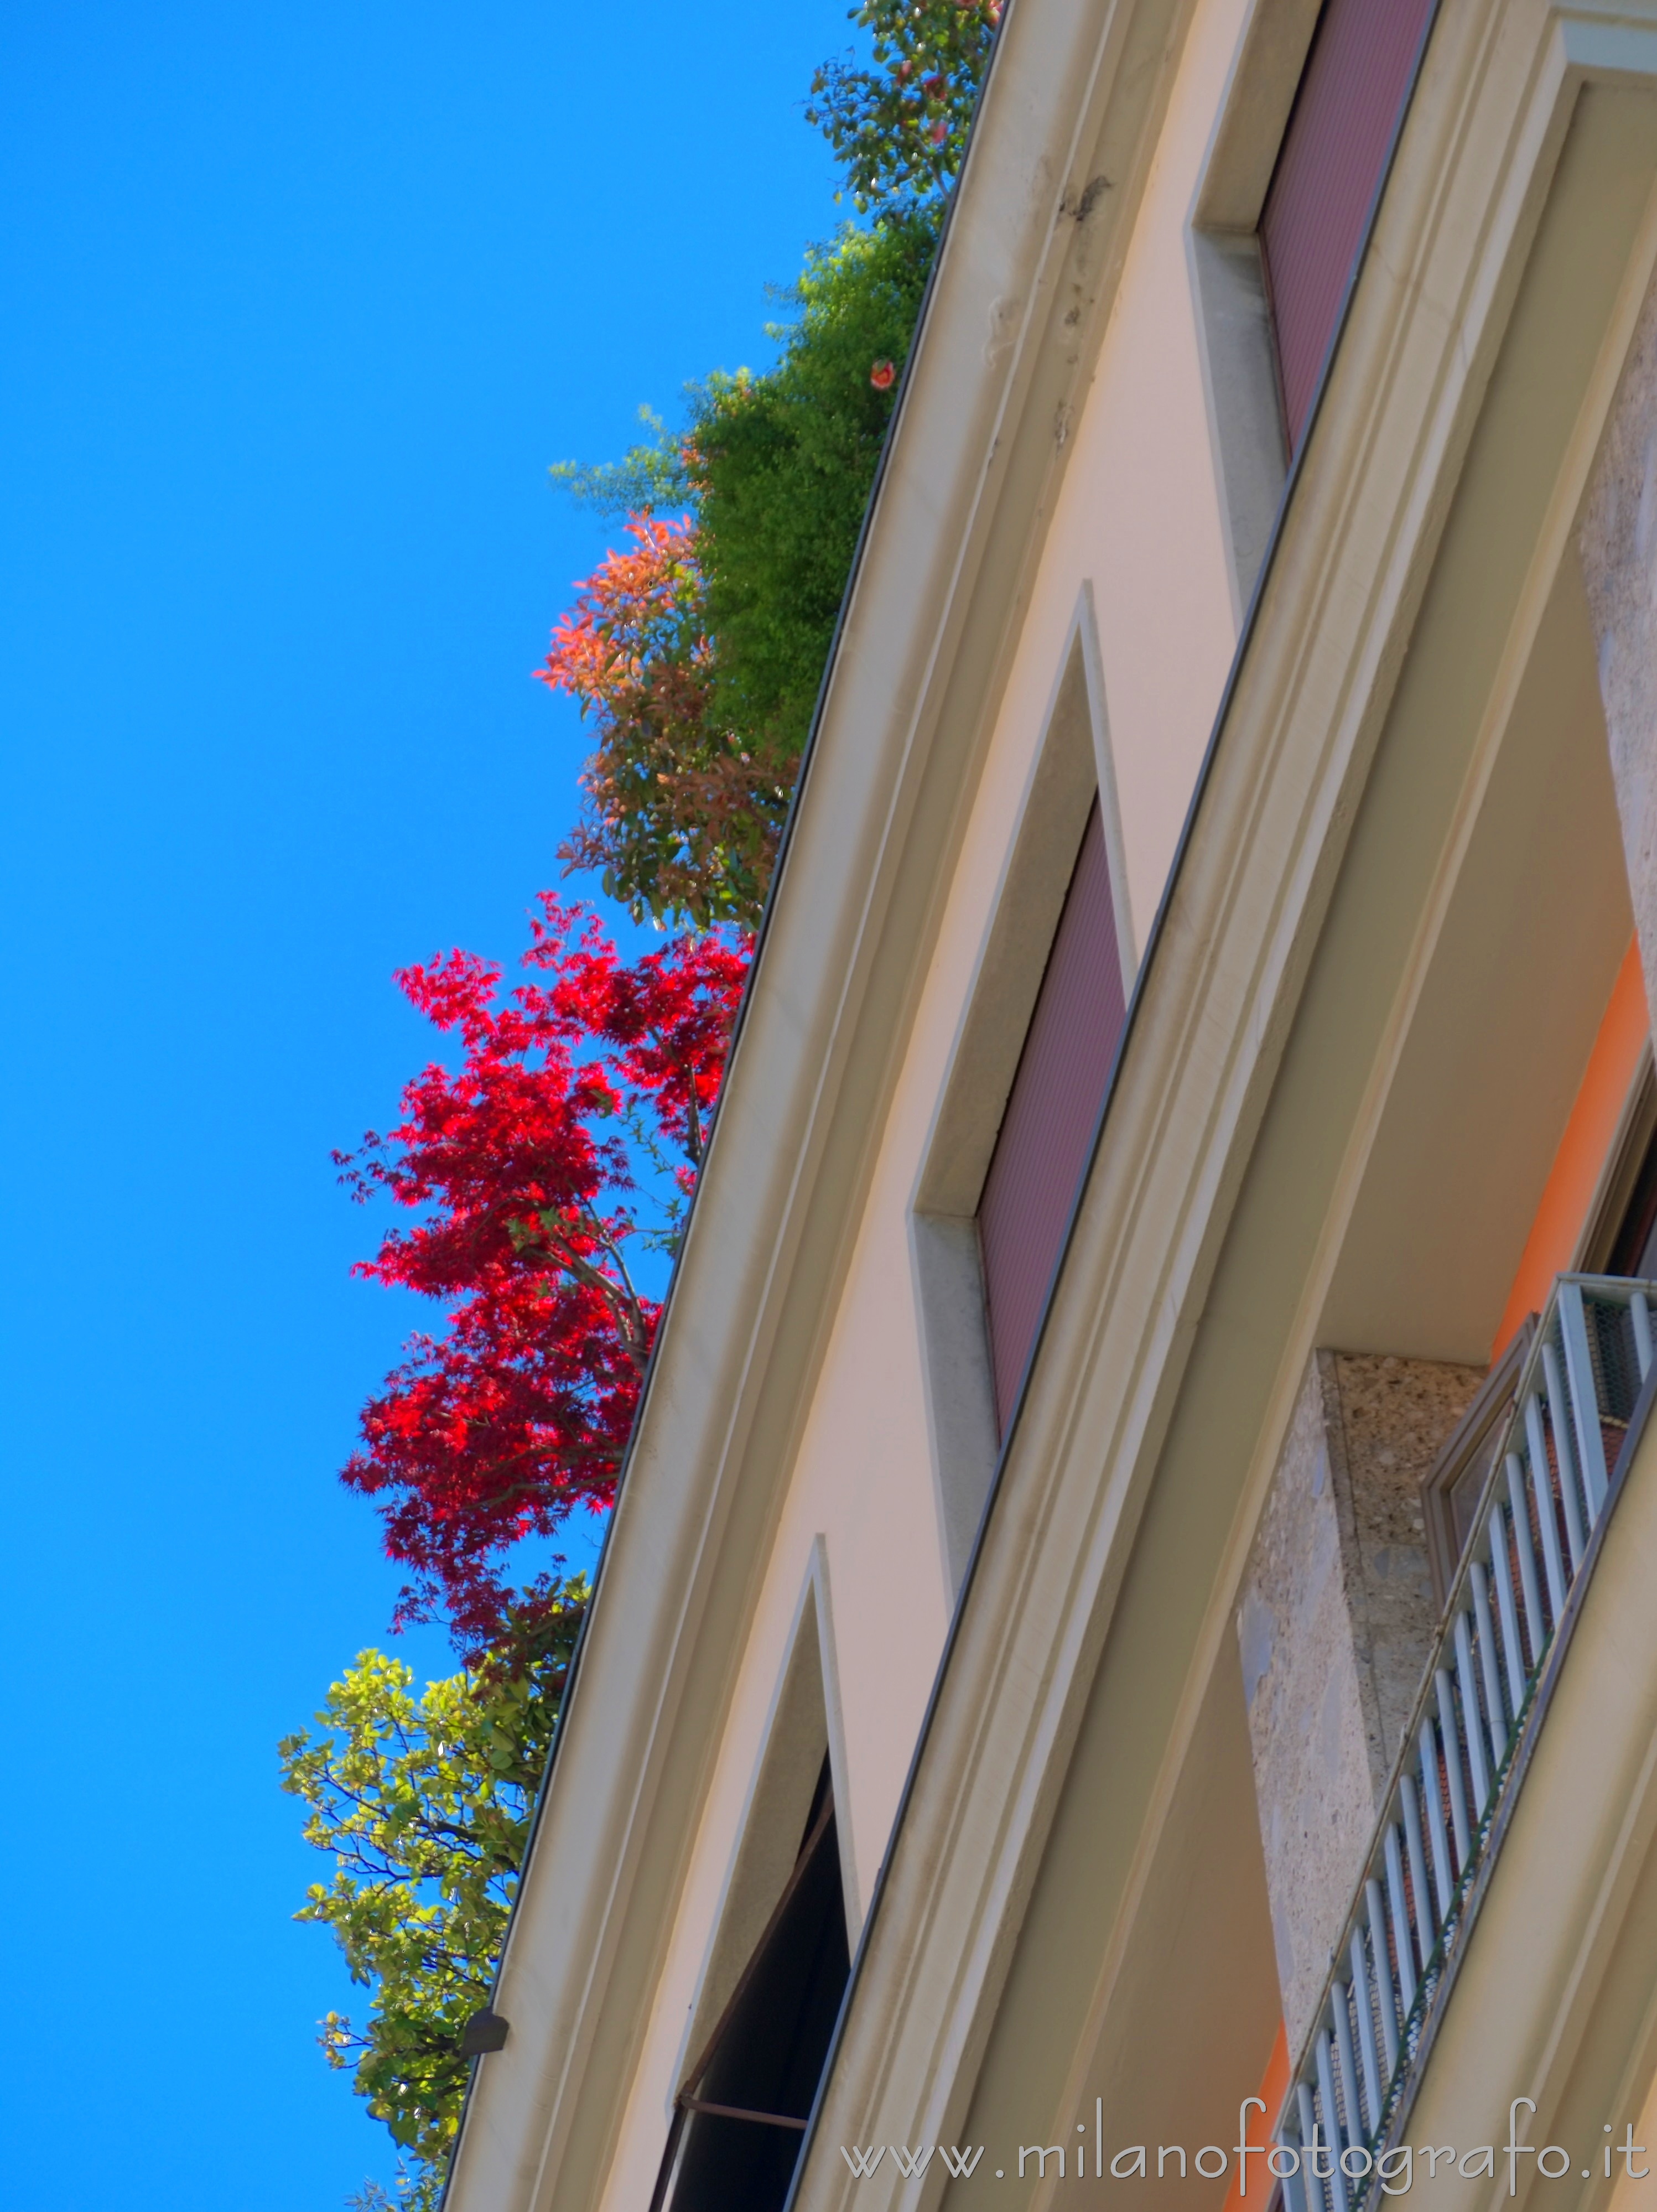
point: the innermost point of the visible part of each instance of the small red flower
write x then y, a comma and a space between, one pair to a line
882, 376
940, 131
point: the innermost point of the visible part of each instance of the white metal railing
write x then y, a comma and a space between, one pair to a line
1542, 1502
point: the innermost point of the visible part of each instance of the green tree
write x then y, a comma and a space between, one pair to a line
415, 2190
899, 121
425, 1802
701, 676
785, 464
698, 655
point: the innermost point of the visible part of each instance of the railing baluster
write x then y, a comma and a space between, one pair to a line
1560, 1425
1546, 1519
1584, 1397
1640, 1314
1347, 2065
1512, 1649
1508, 1613
1443, 1866
1490, 1663
1294, 2198
1536, 1626
1401, 1947
1386, 1983
1453, 1773
1426, 1918
1315, 2195
1331, 2125
1472, 1729
1363, 2006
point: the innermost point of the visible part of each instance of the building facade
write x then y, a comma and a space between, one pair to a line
1132, 1588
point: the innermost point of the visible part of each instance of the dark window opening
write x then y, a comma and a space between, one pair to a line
744, 2107
1329, 170
1052, 1109
1633, 1245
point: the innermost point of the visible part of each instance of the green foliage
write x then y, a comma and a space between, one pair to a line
899, 126
679, 818
425, 1802
699, 654
785, 464
700, 675
647, 478
418, 2189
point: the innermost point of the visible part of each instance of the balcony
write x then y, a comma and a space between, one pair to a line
1581, 1400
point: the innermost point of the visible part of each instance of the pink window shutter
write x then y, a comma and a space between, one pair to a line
1356, 77
1052, 1111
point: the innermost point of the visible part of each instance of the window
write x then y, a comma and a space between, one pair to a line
1015, 1119
1279, 217
1624, 1238
1046, 1132
1332, 160
776, 1969
748, 2092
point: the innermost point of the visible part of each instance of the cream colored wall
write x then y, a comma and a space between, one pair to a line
1632, 2193
1139, 514
1139, 517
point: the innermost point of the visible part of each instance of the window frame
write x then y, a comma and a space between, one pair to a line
1071, 768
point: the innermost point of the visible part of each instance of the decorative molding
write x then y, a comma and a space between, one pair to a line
1072, 768
796, 1739
1165, 1366
1253, 114
1228, 282
1240, 387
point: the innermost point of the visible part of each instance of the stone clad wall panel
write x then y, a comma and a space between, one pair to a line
1336, 1620
1618, 549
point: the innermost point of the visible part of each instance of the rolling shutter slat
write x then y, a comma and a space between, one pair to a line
1333, 154
1051, 1109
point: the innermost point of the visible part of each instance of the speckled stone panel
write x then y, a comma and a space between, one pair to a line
1395, 1415
1618, 549
1335, 1622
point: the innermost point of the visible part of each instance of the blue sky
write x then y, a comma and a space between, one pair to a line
296, 305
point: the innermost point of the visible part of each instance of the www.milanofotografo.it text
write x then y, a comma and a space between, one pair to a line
1396, 2168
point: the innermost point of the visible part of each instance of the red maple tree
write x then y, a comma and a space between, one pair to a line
564, 1143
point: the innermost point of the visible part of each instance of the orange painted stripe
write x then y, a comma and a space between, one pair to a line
1274, 2088
1581, 1158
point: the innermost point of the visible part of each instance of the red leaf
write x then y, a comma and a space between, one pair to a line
519, 1411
